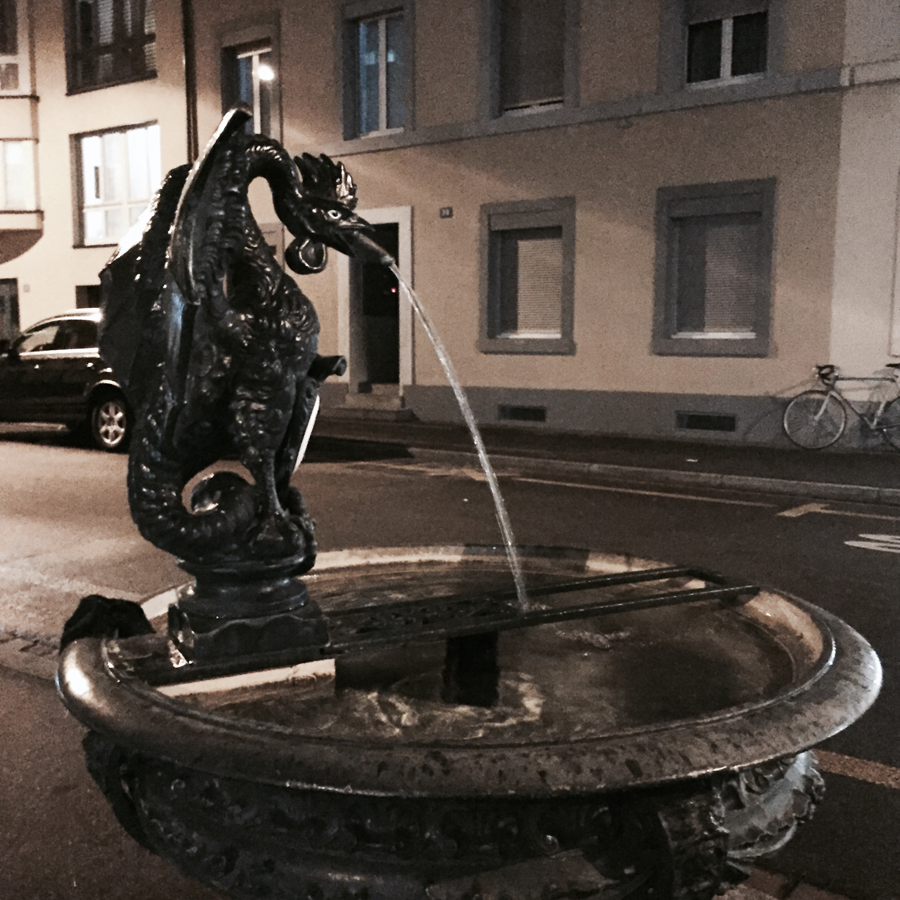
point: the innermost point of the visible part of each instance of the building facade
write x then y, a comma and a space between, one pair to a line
642, 217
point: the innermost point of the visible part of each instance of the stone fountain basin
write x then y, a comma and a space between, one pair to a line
585, 707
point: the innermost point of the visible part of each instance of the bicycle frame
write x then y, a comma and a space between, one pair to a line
832, 389
815, 419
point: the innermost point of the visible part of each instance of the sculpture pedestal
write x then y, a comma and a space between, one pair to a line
650, 753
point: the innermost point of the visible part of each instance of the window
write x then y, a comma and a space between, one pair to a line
17, 175
713, 280
9, 42
529, 278
119, 172
381, 102
71, 334
248, 76
532, 53
533, 47
38, 340
726, 40
110, 42
9, 46
377, 66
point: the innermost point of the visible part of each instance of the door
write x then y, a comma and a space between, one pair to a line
68, 369
9, 311
24, 388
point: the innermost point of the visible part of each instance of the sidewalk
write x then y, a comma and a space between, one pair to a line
871, 476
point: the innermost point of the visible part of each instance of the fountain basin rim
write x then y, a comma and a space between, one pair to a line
837, 689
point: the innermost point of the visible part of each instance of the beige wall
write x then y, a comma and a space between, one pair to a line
613, 169
866, 237
50, 270
814, 34
613, 172
447, 62
620, 49
872, 31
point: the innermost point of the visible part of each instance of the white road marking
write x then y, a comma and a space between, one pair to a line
822, 509
477, 475
886, 543
644, 493
803, 510
860, 769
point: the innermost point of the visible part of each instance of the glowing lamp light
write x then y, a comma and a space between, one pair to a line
266, 72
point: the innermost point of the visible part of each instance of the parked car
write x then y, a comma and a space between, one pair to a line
53, 372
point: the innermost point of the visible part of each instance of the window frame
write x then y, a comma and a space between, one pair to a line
723, 198
254, 50
354, 12
244, 34
492, 75
74, 85
726, 48
78, 176
557, 212
675, 17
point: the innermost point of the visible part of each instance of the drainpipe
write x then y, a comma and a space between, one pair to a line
190, 79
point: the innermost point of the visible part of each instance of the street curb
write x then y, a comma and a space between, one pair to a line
858, 493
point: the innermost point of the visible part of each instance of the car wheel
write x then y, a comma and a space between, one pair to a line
110, 423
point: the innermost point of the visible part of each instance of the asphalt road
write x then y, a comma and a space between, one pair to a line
65, 532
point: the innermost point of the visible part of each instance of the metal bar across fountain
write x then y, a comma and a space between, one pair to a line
403, 724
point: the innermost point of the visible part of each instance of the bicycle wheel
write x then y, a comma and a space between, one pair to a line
889, 423
815, 419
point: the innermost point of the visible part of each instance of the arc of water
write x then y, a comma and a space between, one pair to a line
463, 402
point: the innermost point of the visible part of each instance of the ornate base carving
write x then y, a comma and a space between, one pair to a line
253, 840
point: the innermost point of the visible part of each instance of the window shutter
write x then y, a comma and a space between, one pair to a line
718, 274
707, 10
531, 283
532, 52
732, 273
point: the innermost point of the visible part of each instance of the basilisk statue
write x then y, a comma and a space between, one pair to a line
216, 347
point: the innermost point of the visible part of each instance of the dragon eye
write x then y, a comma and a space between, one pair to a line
333, 214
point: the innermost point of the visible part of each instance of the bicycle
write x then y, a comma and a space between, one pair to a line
816, 419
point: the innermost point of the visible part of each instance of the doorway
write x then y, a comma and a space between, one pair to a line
375, 324
377, 302
9, 311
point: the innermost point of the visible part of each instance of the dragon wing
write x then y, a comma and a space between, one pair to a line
155, 282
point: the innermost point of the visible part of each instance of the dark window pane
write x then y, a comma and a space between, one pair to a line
266, 75
704, 53
85, 335
244, 80
369, 68
396, 105
749, 47
8, 35
111, 41
75, 335
532, 52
